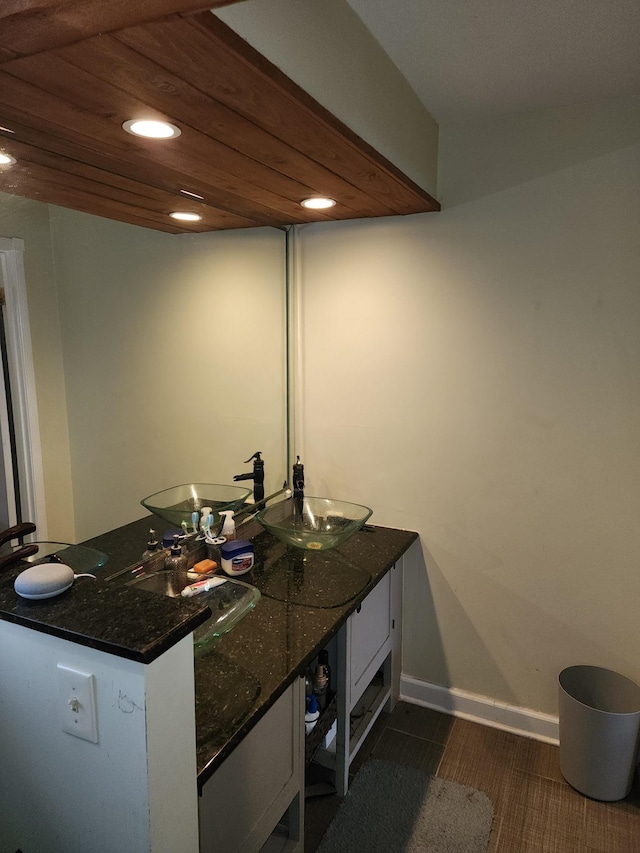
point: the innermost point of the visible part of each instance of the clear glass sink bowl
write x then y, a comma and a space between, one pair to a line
176, 504
78, 557
322, 523
230, 602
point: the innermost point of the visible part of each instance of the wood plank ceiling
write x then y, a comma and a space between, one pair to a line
253, 143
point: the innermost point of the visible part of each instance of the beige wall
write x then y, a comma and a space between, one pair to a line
158, 359
174, 360
326, 49
474, 375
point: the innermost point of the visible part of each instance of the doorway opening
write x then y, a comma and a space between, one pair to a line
21, 475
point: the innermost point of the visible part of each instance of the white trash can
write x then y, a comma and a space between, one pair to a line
599, 731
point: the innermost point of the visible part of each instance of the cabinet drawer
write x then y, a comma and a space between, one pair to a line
370, 636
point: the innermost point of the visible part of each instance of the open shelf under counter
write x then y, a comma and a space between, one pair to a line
367, 653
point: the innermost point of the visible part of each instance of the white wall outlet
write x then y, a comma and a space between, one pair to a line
77, 703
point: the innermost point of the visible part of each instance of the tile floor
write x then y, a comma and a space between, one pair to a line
536, 811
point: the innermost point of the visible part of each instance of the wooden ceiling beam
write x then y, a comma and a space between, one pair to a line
32, 26
88, 203
116, 169
248, 83
99, 110
39, 171
182, 99
253, 144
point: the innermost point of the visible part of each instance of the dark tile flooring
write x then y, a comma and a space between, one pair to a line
536, 811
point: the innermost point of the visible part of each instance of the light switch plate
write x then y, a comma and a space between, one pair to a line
77, 703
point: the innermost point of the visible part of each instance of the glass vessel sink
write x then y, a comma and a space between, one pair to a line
176, 504
317, 524
229, 602
78, 557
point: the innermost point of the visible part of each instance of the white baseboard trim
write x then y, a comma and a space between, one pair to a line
480, 709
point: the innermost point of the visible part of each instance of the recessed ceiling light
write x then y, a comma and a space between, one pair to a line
192, 195
318, 203
152, 129
6, 129
185, 217
7, 159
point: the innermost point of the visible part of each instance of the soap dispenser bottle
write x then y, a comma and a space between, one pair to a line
176, 562
153, 546
229, 525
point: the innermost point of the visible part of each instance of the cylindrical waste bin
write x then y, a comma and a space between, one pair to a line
599, 731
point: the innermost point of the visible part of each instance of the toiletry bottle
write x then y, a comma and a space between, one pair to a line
321, 679
153, 546
229, 526
176, 562
312, 713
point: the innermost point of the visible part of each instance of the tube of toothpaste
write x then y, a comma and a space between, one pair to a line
201, 586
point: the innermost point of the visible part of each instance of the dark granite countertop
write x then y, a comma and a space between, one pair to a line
251, 666
107, 616
306, 597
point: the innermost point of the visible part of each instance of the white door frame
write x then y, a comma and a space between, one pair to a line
23, 385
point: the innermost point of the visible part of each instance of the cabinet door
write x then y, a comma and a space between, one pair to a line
370, 637
246, 797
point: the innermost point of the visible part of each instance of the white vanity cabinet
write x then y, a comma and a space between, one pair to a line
255, 800
367, 658
369, 630
132, 653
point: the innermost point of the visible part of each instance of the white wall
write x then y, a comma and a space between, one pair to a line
63, 794
474, 375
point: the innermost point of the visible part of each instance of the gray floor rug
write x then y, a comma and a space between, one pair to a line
391, 808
